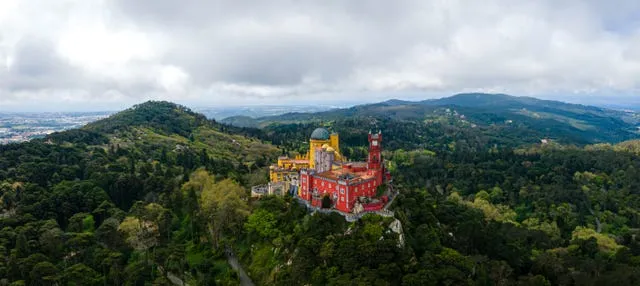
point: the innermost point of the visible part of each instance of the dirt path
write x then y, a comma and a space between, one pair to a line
245, 280
175, 280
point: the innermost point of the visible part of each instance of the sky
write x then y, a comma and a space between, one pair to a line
109, 54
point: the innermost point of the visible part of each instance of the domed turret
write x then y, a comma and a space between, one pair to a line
320, 134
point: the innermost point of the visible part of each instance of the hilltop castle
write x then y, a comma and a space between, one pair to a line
324, 178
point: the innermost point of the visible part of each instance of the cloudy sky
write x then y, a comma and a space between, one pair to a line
108, 54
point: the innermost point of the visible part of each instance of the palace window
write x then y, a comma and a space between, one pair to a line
342, 191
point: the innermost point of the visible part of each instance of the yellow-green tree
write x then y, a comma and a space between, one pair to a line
139, 234
198, 182
224, 205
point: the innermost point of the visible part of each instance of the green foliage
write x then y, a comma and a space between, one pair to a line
263, 223
160, 115
81, 222
80, 274
604, 242
381, 189
224, 204
549, 228
44, 273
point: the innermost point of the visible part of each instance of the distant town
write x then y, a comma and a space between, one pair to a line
20, 127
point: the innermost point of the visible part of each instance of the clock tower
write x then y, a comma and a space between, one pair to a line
374, 161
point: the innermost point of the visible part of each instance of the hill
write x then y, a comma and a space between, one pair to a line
164, 117
163, 125
498, 115
121, 198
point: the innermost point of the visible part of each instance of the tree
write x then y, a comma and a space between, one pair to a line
139, 234
44, 273
51, 239
603, 242
81, 222
263, 223
224, 204
107, 233
80, 275
69, 198
198, 182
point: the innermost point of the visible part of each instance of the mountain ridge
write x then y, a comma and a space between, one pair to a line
576, 123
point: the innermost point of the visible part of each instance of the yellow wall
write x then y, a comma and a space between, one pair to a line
273, 176
279, 175
285, 166
335, 142
313, 144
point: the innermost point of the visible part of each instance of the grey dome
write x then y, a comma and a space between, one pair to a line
320, 134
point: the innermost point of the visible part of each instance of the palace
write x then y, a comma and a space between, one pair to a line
324, 178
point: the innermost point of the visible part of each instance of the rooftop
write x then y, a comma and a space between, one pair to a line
345, 174
320, 134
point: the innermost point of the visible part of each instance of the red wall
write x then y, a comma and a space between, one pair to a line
344, 196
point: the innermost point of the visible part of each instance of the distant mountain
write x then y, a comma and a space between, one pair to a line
242, 121
568, 123
507, 102
393, 102
219, 113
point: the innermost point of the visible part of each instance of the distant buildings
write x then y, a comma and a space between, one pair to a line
20, 127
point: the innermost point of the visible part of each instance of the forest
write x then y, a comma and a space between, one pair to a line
156, 194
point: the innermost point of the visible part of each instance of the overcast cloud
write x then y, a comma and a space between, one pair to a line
97, 54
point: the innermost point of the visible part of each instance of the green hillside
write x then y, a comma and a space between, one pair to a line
108, 203
164, 125
498, 115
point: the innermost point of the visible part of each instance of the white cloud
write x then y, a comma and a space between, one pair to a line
110, 52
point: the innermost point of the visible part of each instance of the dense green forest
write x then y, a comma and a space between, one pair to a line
116, 202
156, 195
